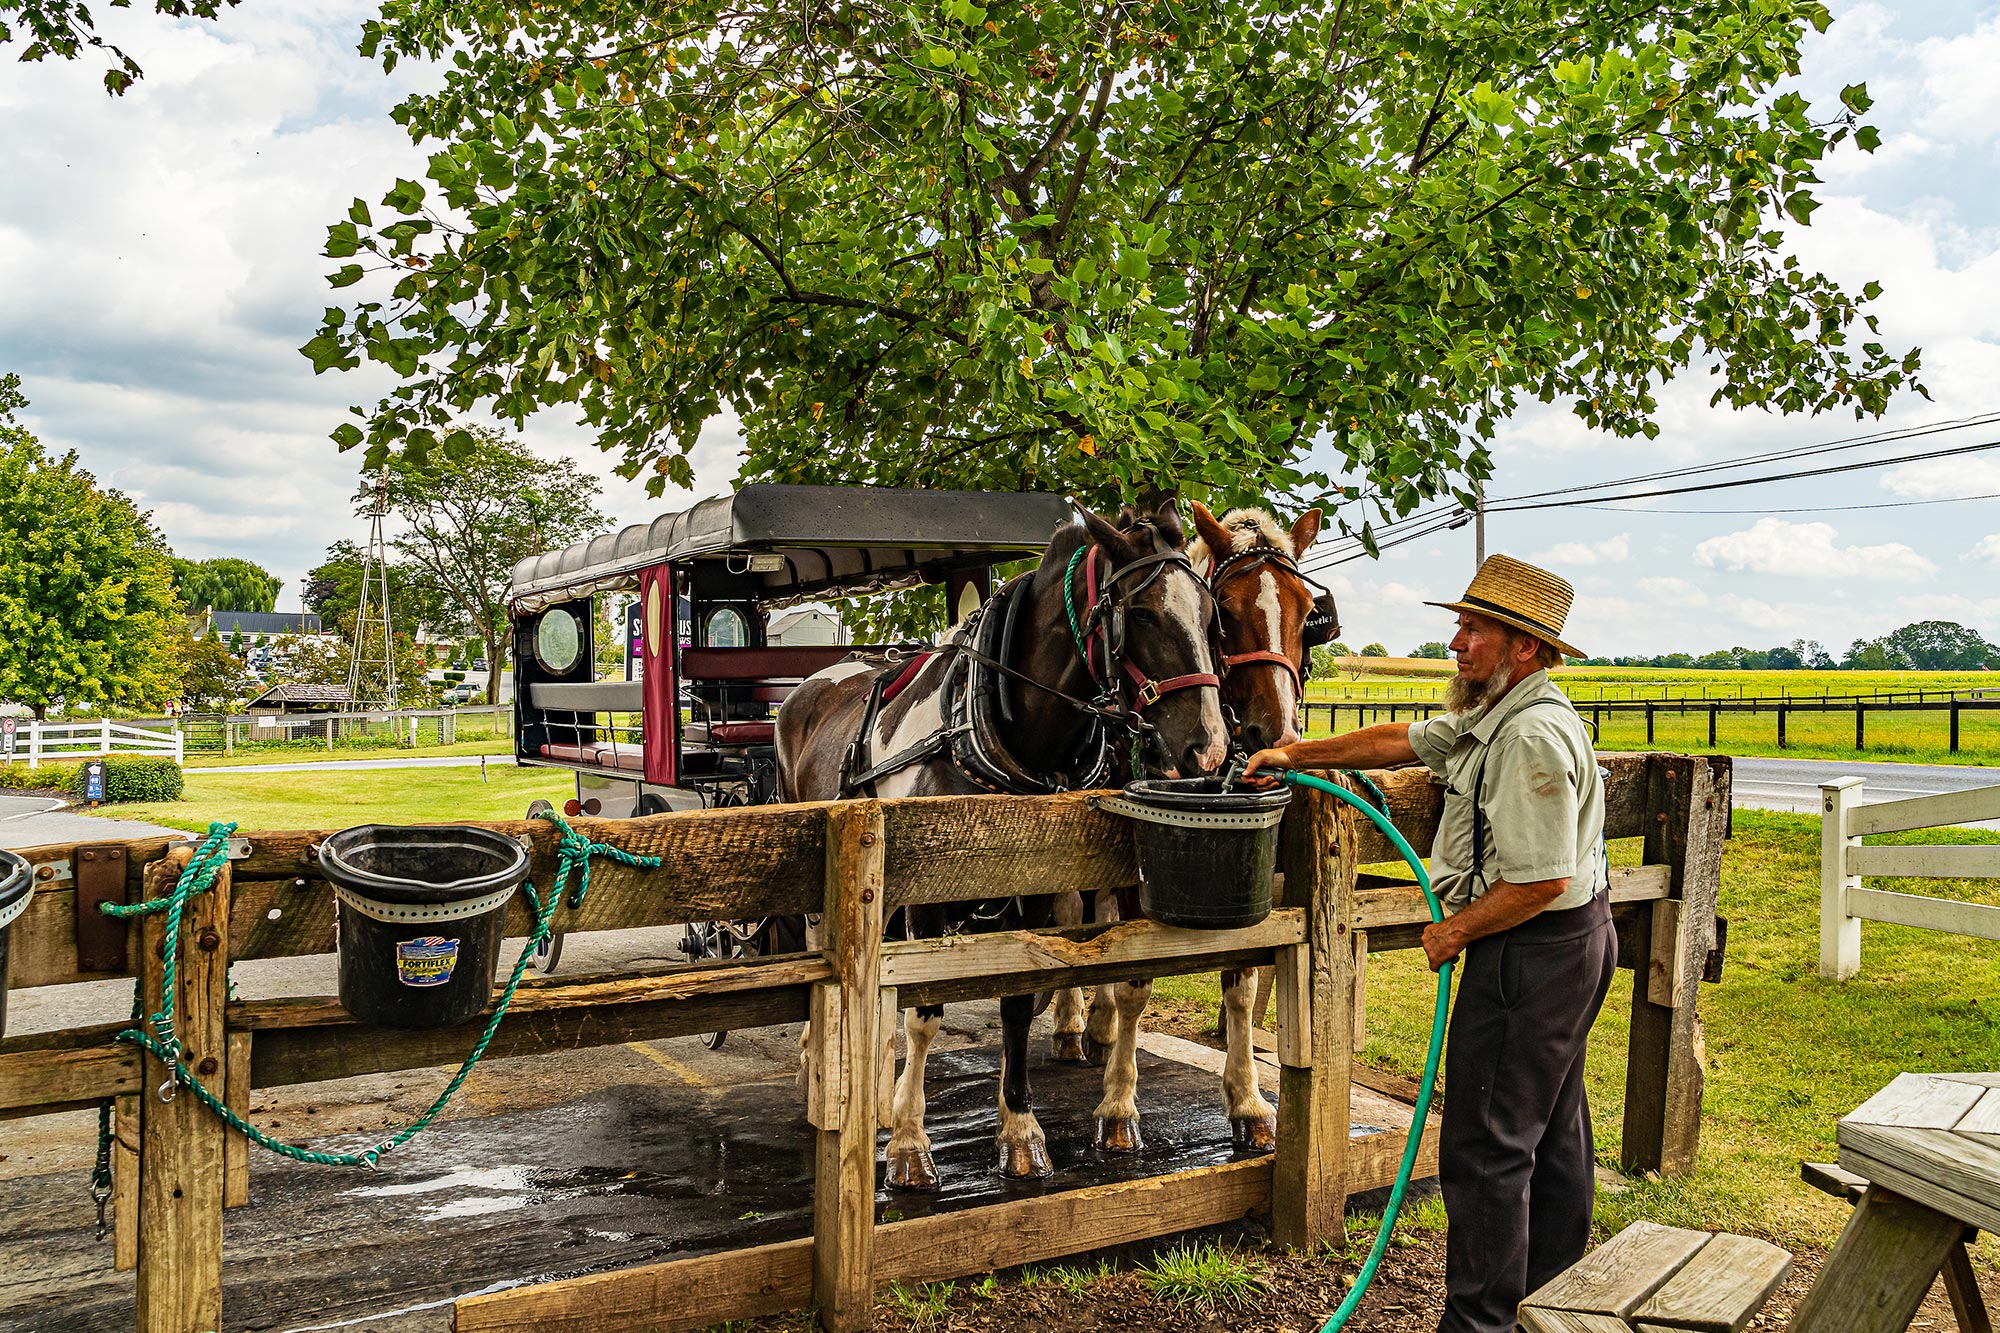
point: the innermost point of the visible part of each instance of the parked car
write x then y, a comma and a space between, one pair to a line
460, 694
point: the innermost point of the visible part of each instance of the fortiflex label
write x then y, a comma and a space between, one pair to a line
427, 961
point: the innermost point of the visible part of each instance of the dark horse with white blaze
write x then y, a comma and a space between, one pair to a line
1107, 643
1269, 618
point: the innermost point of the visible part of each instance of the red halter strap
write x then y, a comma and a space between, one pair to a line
1231, 660
1152, 691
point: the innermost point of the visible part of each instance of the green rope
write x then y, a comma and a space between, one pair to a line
1069, 605
573, 857
1375, 794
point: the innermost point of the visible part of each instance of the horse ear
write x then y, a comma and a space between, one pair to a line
1106, 534
1211, 530
1303, 532
1167, 520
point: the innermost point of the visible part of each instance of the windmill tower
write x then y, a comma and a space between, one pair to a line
371, 670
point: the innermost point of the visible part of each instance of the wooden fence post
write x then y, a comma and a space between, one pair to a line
1781, 726
1687, 811
1860, 736
1649, 722
1839, 933
125, 1183
1309, 1186
180, 1141
1954, 726
846, 1018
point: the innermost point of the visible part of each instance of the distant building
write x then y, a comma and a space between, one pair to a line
300, 699
807, 626
273, 624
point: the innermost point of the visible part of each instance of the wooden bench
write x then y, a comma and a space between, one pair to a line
1967, 1304
1654, 1279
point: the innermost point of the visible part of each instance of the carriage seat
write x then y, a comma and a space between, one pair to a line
742, 733
627, 758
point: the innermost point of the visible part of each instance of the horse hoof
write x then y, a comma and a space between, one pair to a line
912, 1169
1120, 1134
1095, 1052
1069, 1048
1254, 1133
1026, 1160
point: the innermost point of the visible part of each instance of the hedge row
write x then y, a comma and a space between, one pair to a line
17, 776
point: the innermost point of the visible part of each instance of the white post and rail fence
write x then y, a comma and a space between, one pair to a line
1844, 859
25, 738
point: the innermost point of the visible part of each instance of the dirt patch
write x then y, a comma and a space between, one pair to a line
1299, 1293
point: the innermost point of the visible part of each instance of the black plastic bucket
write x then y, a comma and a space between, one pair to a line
419, 921
1206, 855
17, 883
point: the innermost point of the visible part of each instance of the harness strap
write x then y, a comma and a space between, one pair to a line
1152, 691
1230, 660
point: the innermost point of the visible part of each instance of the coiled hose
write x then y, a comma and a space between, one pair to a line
1381, 821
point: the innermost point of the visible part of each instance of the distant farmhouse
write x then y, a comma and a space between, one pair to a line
274, 624
808, 626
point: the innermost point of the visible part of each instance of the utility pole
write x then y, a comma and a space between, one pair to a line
1478, 525
374, 568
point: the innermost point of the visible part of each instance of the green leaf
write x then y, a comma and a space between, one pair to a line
1856, 99
357, 213
1868, 138
346, 276
942, 56
342, 240
407, 197
346, 435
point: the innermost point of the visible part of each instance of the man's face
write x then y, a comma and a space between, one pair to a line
1482, 646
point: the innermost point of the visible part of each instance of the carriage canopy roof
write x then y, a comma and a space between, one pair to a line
833, 540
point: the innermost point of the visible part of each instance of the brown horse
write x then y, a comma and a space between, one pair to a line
1109, 638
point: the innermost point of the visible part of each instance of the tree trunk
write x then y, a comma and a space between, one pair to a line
493, 670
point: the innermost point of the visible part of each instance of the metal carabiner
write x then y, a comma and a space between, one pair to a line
101, 1196
165, 1092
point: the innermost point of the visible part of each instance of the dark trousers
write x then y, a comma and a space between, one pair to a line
1515, 1159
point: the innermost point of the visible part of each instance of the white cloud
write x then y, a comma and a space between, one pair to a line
1609, 551
1807, 550
1673, 591
1987, 549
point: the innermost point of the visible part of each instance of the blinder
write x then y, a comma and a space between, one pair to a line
1323, 625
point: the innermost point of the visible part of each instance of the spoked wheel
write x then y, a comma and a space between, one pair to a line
549, 952
722, 940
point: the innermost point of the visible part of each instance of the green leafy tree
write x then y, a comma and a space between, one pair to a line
1111, 247
467, 518
88, 615
322, 660
227, 584
64, 28
210, 677
236, 643
1432, 651
1874, 655
1941, 645
1374, 650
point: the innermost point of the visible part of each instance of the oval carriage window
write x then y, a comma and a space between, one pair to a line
557, 639
727, 629
653, 616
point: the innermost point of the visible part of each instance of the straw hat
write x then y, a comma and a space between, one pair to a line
1516, 593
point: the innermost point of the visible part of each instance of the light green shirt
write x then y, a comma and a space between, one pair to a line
1543, 796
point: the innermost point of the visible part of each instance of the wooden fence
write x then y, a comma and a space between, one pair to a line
1844, 904
176, 1169
37, 742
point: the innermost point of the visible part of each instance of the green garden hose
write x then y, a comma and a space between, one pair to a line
1381, 821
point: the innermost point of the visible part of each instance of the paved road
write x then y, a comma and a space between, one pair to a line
1793, 784
440, 761
30, 821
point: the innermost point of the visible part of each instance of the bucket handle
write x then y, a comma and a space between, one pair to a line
1247, 819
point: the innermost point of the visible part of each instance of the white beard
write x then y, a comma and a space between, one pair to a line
1473, 697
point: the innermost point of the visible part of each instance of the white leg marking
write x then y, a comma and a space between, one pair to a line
906, 1126
1121, 1073
1103, 1023
1240, 1093
1067, 1019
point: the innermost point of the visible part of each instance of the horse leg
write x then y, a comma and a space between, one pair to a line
1118, 1113
1068, 1020
1024, 1151
1101, 1033
909, 1157
1253, 1125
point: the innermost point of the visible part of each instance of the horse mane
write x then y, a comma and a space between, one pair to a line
1247, 528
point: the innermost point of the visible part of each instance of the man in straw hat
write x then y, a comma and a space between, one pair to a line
1519, 865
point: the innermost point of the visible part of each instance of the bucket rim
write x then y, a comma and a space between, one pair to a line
17, 881
1178, 794
395, 889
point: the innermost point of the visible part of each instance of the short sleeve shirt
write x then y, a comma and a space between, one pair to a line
1542, 794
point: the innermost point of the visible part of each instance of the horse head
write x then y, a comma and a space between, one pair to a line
1150, 637
1265, 603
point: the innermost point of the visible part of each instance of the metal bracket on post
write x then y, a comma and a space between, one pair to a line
100, 878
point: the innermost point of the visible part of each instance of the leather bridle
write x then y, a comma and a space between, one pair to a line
1100, 629
1248, 561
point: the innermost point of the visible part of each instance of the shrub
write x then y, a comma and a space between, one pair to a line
135, 779
49, 777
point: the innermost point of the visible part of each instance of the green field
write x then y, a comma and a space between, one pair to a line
1912, 737
342, 798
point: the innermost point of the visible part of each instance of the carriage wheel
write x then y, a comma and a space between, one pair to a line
721, 940
549, 952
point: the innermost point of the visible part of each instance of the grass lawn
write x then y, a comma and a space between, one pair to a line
311, 754
342, 798
1788, 1054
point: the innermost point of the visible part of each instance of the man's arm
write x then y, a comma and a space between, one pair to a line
1501, 907
1378, 746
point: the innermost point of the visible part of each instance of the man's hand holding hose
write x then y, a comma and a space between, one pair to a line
1379, 746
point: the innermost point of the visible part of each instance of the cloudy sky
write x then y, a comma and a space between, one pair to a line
160, 259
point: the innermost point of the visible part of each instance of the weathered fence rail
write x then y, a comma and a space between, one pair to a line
1844, 859
176, 1169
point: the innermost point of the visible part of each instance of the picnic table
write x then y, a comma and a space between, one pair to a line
1929, 1147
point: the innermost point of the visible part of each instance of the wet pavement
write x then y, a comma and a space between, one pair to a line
620, 1176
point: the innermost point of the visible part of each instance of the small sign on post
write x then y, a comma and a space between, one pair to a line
7, 729
93, 781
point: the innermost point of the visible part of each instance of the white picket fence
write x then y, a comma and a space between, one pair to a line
37, 741
1844, 859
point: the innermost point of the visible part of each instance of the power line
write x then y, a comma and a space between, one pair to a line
1804, 509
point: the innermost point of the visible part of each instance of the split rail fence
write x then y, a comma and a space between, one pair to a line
176, 1170
1844, 904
